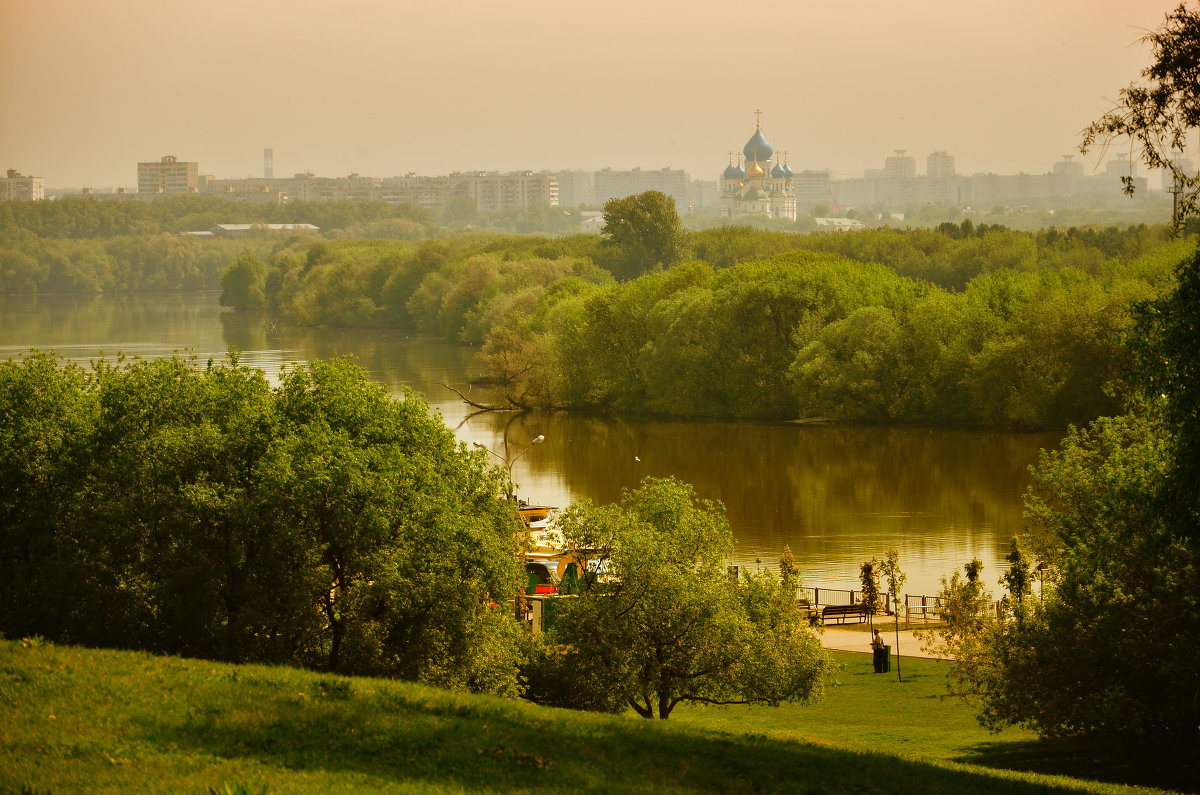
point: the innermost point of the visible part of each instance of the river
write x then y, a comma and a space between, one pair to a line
837, 495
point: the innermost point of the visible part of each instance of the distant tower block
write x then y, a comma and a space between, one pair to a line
269, 163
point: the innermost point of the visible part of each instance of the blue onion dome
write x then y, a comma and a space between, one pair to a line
733, 172
758, 148
787, 170
779, 171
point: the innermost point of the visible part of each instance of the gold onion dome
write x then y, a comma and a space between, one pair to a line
755, 171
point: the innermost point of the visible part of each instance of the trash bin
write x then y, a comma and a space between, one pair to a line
883, 660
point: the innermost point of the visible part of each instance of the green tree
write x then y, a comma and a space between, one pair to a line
321, 522
461, 211
967, 624
47, 414
642, 232
665, 623
243, 285
1159, 113
1111, 647
1018, 580
1115, 513
895, 579
871, 601
855, 369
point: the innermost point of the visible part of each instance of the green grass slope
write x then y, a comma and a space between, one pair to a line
75, 720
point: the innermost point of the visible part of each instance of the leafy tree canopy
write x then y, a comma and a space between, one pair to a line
664, 622
643, 232
203, 511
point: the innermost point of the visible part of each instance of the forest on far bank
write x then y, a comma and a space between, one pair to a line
958, 325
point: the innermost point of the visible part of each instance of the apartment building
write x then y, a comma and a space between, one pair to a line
611, 184
17, 187
494, 192
168, 175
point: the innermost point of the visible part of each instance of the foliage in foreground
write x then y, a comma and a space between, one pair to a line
1111, 647
663, 622
76, 720
320, 522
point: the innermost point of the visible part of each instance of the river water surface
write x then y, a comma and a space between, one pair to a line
837, 495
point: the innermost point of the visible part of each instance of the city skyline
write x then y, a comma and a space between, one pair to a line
383, 90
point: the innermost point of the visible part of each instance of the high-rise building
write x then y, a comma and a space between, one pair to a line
17, 187
900, 166
812, 188
1121, 167
576, 188
168, 175
494, 192
1066, 177
939, 165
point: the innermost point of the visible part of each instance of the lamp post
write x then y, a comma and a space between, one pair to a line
508, 462
1042, 568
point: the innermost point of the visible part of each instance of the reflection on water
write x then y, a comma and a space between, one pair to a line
836, 495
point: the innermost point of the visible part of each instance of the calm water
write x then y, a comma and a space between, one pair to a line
837, 495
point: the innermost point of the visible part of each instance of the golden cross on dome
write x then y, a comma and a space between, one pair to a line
758, 119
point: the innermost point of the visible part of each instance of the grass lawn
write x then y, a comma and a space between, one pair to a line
916, 719
75, 720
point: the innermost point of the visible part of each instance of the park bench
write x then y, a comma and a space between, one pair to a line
843, 612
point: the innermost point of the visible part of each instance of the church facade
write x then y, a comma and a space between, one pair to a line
760, 186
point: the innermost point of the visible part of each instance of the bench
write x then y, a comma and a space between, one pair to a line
843, 612
808, 609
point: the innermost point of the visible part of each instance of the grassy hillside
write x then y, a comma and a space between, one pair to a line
74, 720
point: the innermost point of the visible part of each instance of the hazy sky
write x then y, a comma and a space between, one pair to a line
385, 87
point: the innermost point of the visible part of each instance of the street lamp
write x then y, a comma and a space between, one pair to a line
508, 463
1042, 568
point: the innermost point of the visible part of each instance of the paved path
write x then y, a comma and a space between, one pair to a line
851, 640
